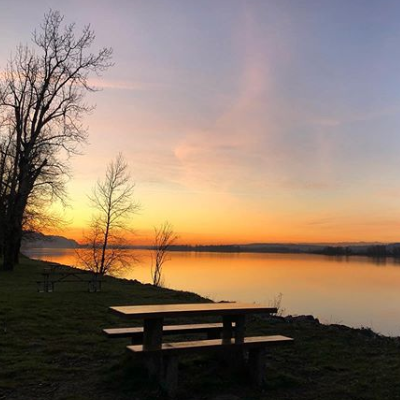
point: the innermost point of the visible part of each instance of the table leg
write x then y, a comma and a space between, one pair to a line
169, 382
256, 365
240, 328
152, 333
227, 330
152, 339
235, 359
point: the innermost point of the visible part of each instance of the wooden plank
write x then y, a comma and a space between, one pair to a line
181, 310
215, 344
167, 330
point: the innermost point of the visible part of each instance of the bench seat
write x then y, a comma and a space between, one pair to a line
217, 344
137, 333
164, 362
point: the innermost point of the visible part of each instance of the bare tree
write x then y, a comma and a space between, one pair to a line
41, 109
164, 238
112, 200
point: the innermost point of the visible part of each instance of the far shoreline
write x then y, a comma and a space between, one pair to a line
377, 252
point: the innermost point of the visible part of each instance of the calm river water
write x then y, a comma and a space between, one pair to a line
355, 291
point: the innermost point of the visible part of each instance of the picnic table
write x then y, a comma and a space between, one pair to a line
164, 355
153, 318
59, 274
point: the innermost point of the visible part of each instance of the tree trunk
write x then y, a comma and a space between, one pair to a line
13, 232
10, 248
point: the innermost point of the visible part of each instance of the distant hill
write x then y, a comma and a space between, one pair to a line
35, 240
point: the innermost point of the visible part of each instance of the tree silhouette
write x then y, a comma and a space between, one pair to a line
41, 110
164, 238
114, 207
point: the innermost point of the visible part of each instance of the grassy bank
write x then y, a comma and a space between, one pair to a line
51, 347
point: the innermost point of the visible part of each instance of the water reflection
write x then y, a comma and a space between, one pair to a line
355, 291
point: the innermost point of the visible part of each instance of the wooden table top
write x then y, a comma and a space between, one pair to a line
181, 310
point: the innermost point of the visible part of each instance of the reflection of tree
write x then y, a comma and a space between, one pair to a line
41, 107
336, 251
378, 251
112, 201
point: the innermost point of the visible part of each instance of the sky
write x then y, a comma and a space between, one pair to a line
241, 121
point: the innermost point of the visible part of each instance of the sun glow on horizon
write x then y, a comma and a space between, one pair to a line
279, 123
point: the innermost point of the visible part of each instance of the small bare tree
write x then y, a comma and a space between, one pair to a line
112, 200
164, 238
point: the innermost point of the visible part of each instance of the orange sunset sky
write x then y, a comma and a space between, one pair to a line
241, 121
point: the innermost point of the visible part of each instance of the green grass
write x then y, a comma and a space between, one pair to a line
51, 347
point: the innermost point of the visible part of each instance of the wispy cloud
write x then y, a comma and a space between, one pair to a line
221, 156
103, 83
